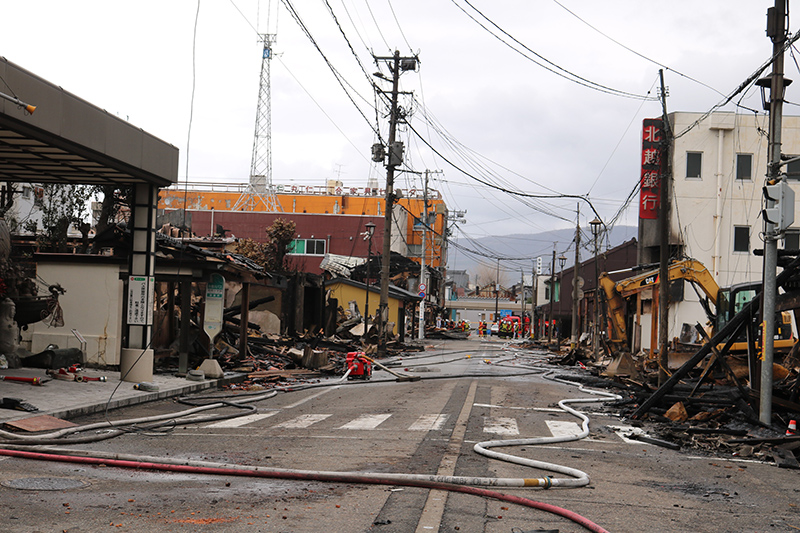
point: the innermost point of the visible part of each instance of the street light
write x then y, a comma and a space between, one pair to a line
562, 260
596, 224
368, 237
765, 84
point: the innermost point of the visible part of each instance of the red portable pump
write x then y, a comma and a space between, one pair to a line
358, 366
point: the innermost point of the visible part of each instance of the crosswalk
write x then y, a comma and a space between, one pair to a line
499, 426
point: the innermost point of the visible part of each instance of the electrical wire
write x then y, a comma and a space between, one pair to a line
343, 83
751, 79
665, 67
553, 67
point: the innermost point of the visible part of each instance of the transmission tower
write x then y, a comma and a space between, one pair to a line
259, 189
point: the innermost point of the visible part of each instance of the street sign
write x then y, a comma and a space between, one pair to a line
422, 294
215, 294
423, 287
140, 308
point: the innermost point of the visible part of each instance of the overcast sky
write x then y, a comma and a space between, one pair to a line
188, 72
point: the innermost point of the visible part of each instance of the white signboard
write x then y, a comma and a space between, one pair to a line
215, 300
140, 304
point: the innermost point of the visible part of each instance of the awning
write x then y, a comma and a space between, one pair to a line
68, 140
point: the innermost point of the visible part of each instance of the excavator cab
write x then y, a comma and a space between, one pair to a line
731, 300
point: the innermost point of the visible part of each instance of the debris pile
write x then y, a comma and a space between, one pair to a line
274, 358
709, 408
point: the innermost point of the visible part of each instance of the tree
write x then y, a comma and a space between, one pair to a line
116, 201
61, 206
272, 253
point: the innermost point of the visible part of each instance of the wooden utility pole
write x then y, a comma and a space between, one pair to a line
664, 223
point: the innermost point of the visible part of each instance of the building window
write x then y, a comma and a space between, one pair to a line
415, 250
793, 169
741, 238
694, 165
307, 247
744, 166
791, 241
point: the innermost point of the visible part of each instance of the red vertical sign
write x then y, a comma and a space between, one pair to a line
649, 197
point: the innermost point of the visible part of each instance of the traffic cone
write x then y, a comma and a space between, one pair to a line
792, 428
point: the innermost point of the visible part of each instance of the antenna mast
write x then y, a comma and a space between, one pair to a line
260, 189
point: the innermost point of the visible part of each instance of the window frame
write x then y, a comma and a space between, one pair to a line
700, 166
736, 231
306, 245
749, 177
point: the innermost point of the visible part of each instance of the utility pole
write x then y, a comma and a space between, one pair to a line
497, 291
534, 298
396, 65
552, 296
423, 288
573, 342
776, 30
664, 223
522, 290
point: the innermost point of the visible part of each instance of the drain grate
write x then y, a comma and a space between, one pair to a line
45, 483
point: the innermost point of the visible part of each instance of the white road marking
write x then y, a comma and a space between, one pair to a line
428, 423
242, 420
560, 428
500, 425
366, 422
313, 396
544, 409
302, 421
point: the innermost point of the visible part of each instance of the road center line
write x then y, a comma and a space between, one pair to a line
434, 506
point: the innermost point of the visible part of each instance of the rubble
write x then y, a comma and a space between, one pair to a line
709, 409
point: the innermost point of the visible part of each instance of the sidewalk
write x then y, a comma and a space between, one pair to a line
66, 399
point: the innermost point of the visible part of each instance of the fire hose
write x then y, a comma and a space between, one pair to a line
448, 483
455, 483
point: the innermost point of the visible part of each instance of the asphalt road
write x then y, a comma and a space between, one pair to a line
469, 392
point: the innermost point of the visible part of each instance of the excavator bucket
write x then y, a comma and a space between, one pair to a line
622, 364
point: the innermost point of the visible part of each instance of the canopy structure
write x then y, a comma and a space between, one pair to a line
68, 140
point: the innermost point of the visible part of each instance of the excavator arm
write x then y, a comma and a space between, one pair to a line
616, 292
689, 269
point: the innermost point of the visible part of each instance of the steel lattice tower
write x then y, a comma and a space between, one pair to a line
260, 187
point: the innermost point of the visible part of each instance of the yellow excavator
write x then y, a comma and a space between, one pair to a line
727, 302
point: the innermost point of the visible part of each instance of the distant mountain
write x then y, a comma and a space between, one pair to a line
528, 247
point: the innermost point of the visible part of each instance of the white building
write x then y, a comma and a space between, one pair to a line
719, 164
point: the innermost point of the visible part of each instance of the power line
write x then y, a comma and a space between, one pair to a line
554, 68
665, 67
339, 78
503, 189
742, 86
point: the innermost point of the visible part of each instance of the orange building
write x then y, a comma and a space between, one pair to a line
349, 209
